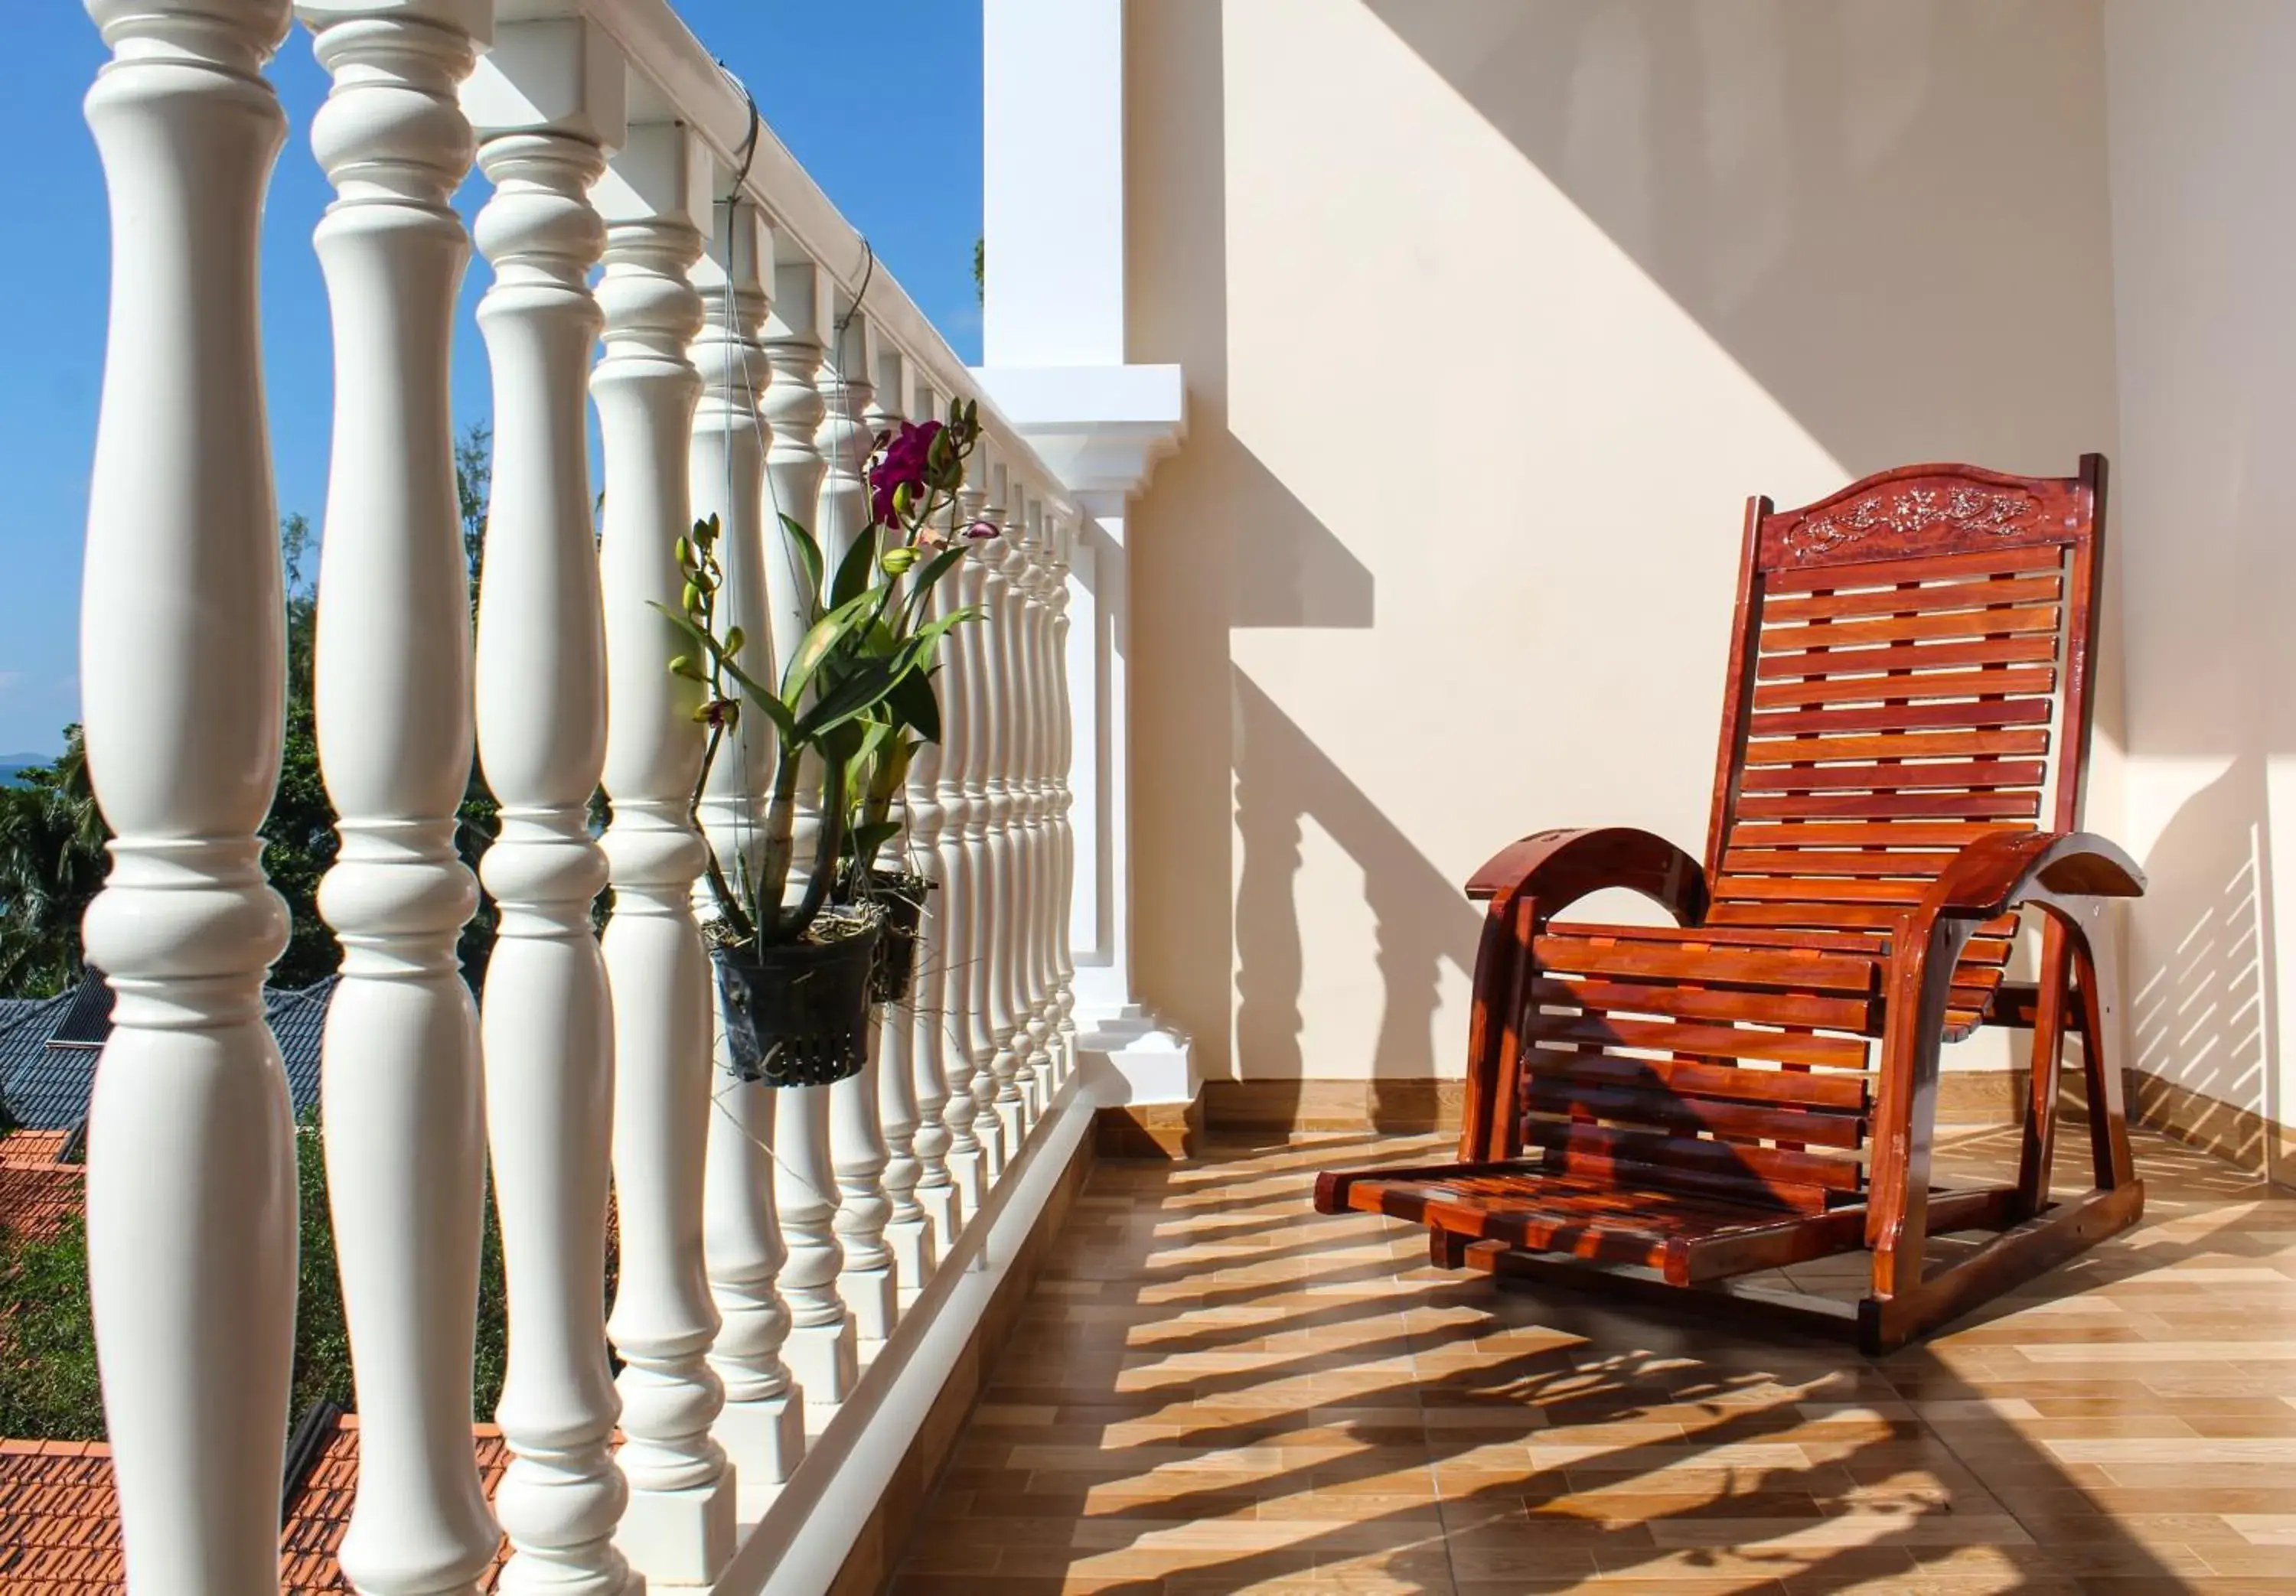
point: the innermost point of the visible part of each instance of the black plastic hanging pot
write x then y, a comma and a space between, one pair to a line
902, 898
798, 1014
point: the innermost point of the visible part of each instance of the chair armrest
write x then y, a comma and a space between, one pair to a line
1997, 871
1558, 868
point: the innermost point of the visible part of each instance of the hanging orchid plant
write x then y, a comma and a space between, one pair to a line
852, 704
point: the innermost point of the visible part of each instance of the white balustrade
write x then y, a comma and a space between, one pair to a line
749, 360
545, 112
400, 1086
821, 1348
762, 1425
191, 1167
679, 1529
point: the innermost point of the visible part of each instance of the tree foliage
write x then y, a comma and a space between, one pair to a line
52, 862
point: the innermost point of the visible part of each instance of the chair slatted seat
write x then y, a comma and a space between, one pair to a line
1907, 705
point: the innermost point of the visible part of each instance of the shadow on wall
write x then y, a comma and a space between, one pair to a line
1824, 185
1303, 575
1422, 921
2201, 956
1867, 212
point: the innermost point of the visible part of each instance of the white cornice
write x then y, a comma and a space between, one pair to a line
1100, 428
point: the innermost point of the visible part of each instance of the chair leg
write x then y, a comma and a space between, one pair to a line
2099, 986
1446, 1250
2038, 1152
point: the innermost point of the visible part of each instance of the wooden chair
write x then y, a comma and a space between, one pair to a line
1909, 688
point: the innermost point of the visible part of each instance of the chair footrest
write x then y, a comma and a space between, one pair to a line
1688, 1239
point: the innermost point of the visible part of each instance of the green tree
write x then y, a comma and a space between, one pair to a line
52, 862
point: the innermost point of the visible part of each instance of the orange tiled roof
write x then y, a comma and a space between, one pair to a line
60, 1522
36, 1193
32, 1150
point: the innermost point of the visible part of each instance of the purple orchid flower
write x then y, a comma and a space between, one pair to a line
903, 463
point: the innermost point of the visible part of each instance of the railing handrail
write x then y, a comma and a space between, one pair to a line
662, 50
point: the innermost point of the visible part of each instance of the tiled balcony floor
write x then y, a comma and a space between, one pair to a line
1214, 1390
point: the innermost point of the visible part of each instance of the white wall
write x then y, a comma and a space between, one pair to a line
1493, 312
2202, 111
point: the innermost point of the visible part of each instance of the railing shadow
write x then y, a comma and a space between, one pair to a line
1526, 1439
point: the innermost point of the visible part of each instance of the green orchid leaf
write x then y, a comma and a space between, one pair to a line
913, 702
808, 554
853, 570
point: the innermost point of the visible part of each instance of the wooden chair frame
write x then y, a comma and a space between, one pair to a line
1660, 1222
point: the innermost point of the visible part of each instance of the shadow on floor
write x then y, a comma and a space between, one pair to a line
1216, 1390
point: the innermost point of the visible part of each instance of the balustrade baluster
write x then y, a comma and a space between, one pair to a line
909, 1230
1001, 900
762, 1424
1035, 990
937, 1190
190, 1168
944, 1000
820, 1348
972, 672
869, 1282
1063, 753
679, 1529
400, 1088
546, 102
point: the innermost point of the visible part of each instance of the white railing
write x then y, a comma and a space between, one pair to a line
787, 1257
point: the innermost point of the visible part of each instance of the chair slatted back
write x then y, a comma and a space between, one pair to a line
1909, 670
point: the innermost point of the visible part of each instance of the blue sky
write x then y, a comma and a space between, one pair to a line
822, 74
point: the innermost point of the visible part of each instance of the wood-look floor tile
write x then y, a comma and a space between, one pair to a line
1214, 1390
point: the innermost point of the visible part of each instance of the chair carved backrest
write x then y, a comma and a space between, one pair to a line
1909, 670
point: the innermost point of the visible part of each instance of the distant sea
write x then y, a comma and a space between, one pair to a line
14, 765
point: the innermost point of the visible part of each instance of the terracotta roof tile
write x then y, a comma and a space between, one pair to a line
60, 1522
35, 1201
32, 1150
58, 1526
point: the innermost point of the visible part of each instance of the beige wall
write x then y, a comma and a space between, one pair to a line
1493, 312
2203, 173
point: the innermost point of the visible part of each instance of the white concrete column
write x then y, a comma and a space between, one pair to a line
401, 1102
547, 102
190, 1168
762, 1424
679, 1529
1054, 343
1053, 183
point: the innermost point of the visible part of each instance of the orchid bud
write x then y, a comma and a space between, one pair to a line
894, 562
734, 636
